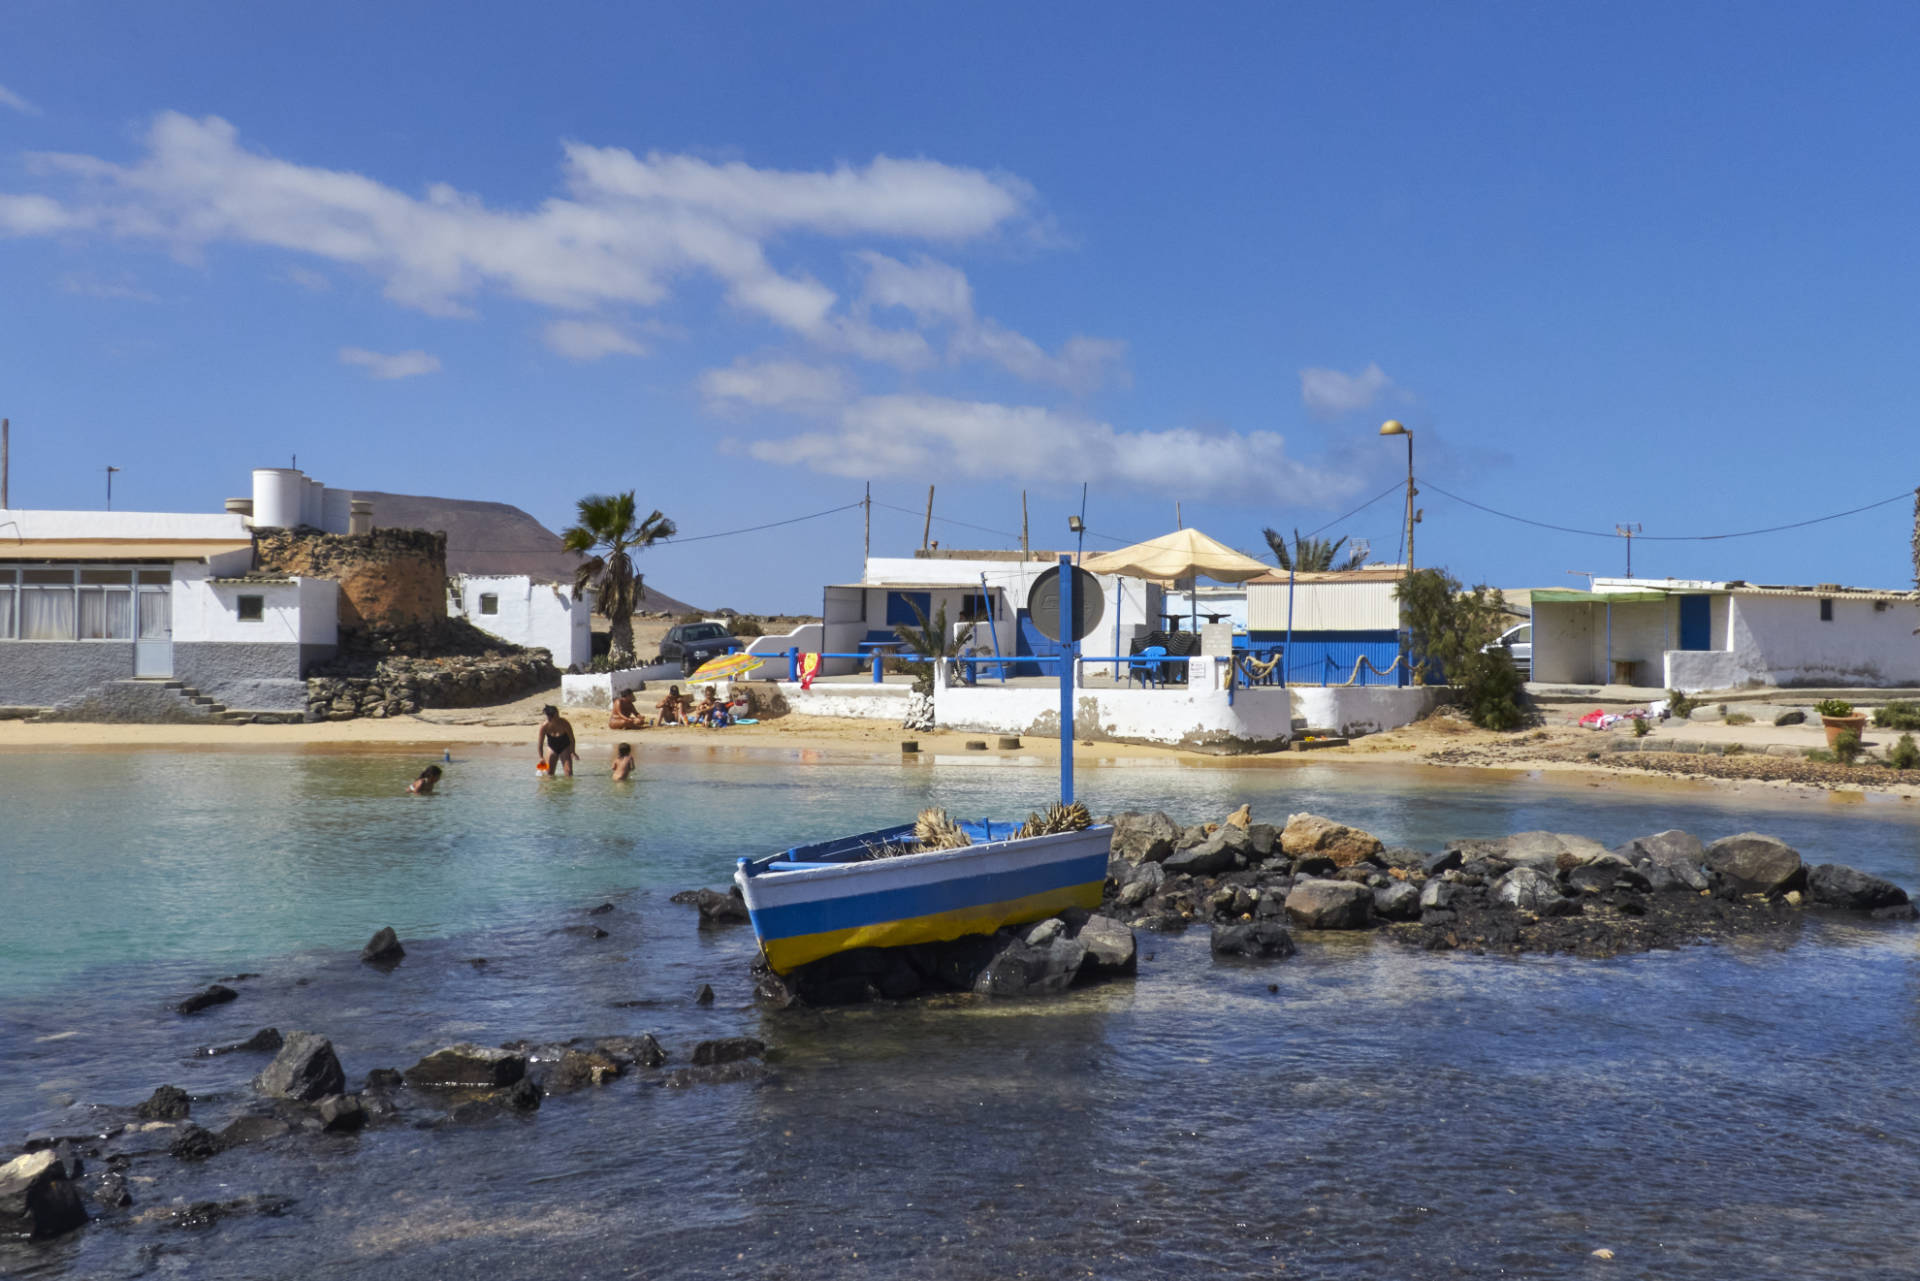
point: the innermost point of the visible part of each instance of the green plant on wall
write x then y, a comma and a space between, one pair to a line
1835, 707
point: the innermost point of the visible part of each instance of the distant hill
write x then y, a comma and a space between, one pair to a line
495, 538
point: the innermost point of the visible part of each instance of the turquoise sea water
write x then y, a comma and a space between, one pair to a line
1731, 1111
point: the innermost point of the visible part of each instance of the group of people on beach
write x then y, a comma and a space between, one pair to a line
558, 747
678, 709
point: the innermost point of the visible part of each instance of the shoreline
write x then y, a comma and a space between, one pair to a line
1437, 744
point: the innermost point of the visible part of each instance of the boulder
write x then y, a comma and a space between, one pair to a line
1751, 863
265, 1041
342, 1113
1404, 857
1307, 834
1835, 885
642, 1049
1606, 874
704, 995
1398, 901
522, 1096
1549, 851
1665, 878
213, 994
467, 1065
1241, 818
1446, 861
1144, 838
193, 1144
1529, 889
251, 1129
305, 1069
168, 1103
1110, 947
728, 1050
1020, 970
110, 1191
1264, 838
37, 1199
1221, 852
578, 1068
1671, 848
384, 1079
1314, 904
383, 948
1045, 932
1191, 836
1253, 940
720, 909
1437, 895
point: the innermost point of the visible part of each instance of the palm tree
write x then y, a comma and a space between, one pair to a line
1313, 555
606, 535
931, 643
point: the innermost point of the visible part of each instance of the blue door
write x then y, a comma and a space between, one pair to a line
1696, 622
1029, 642
901, 606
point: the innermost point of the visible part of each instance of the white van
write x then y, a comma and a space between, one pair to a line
1519, 642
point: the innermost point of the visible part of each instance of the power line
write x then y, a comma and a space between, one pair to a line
696, 538
1902, 496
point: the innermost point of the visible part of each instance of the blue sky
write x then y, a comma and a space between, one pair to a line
1653, 264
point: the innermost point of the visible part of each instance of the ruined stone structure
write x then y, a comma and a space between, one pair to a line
390, 579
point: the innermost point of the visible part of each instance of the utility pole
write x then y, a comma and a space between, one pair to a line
866, 533
1179, 522
6, 457
110, 471
1023, 524
926, 531
1627, 532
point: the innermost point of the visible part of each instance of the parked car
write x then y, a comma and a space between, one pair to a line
1518, 641
691, 644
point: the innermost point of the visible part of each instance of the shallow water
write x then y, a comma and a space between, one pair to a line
1732, 1111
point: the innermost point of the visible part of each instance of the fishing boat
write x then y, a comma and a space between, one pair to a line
879, 889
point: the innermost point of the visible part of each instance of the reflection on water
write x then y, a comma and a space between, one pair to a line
1732, 1111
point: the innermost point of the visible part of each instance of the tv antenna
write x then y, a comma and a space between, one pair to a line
110, 471
1627, 532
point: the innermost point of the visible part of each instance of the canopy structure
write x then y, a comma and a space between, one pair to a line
1185, 553
1570, 596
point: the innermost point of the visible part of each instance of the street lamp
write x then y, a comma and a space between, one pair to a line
1394, 427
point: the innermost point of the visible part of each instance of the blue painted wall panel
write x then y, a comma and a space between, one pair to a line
1330, 657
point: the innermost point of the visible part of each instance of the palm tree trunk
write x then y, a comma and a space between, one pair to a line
620, 637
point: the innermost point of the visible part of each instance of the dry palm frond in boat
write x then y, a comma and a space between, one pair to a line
1058, 818
933, 830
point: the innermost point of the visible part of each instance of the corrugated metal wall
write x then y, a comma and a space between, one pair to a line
1323, 607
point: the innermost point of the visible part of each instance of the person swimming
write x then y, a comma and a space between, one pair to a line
554, 741
623, 762
423, 786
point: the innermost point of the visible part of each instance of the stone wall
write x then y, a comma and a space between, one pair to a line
395, 685
42, 673
391, 579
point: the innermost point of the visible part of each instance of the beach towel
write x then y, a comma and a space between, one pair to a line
1593, 719
809, 668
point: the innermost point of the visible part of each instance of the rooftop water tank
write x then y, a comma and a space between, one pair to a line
360, 516
279, 493
336, 511
314, 510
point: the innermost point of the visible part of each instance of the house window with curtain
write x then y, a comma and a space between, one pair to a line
156, 611
6, 604
48, 611
106, 604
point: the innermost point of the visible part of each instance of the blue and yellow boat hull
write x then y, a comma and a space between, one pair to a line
814, 901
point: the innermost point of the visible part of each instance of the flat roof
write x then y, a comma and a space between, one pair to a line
119, 548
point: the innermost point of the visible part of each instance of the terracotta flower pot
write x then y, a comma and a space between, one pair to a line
1855, 725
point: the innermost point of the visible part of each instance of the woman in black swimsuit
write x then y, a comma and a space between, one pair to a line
554, 741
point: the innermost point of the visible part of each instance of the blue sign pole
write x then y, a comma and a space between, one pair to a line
1068, 648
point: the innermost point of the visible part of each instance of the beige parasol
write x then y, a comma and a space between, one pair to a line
1183, 554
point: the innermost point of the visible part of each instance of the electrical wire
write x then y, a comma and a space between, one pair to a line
676, 540
1669, 538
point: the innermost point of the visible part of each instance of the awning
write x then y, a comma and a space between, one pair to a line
1570, 596
1183, 554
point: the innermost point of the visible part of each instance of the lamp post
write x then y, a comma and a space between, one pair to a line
1394, 427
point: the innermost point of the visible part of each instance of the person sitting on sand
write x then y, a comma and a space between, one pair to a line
729, 710
423, 786
625, 714
623, 762
555, 741
705, 712
673, 708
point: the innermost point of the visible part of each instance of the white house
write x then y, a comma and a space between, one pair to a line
526, 611
87, 598
1694, 635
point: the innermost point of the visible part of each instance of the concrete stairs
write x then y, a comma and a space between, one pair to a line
142, 700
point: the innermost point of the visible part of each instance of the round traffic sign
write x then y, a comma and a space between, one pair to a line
1043, 603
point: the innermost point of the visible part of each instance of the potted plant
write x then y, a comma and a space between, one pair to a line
1839, 718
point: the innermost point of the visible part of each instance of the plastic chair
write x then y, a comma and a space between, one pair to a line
1147, 666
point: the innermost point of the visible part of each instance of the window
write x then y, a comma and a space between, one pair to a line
489, 602
973, 609
6, 608
47, 610
1826, 610
71, 602
251, 609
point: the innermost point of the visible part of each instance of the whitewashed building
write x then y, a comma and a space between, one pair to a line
1696, 635
526, 611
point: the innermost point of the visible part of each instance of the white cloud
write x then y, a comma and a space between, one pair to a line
92, 287
401, 364
308, 279
8, 98
930, 289
1328, 393
37, 216
926, 436
590, 340
774, 384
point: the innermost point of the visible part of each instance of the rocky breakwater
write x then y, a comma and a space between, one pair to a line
394, 671
1254, 883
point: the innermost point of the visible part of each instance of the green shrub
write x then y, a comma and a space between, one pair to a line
1641, 727
744, 625
1899, 714
1680, 705
1792, 716
1447, 630
1739, 718
1821, 756
1733, 749
1904, 754
1833, 707
1847, 748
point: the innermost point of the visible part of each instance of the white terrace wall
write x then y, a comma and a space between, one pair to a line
849, 701
1356, 710
1782, 640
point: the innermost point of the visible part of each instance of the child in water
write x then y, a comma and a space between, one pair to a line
623, 762
423, 786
